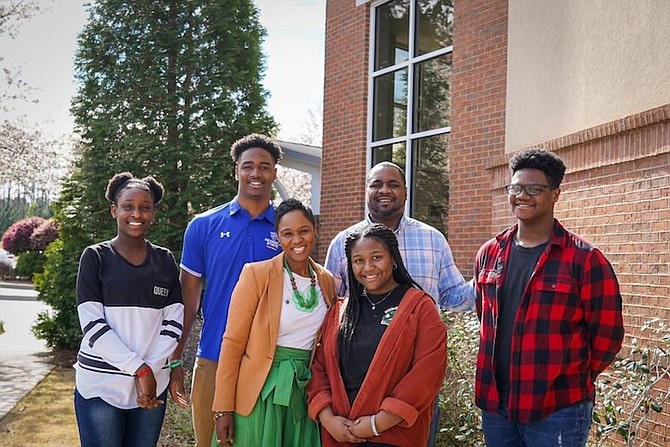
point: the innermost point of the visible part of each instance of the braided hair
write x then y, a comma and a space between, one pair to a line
126, 180
385, 235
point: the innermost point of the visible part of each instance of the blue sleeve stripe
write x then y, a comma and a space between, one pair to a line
173, 323
96, 364
90, 325
171, 334
97, 335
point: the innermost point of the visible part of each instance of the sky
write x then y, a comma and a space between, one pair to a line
44, 49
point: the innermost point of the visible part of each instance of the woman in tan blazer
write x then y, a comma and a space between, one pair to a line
273, 325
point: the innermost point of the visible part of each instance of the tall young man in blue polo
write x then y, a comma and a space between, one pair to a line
217, 244
424, 250
550, 313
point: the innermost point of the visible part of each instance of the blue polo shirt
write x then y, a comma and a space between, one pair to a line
217, 244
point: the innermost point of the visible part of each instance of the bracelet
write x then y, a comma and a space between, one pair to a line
143, 372
176, 364
373, 425
218, 414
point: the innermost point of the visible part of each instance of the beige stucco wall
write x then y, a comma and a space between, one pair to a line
574, 64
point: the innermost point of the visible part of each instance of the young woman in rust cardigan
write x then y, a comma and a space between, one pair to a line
383, 353
275, 314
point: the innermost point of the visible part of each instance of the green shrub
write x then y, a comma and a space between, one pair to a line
628, 394
460, 419
634, 388
29, 263
59, 327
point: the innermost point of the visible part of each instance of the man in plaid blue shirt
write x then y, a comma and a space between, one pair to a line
424, 249
550, 313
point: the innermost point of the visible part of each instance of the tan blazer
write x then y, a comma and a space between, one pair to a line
251, 332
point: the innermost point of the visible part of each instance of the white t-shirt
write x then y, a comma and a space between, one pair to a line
297, 329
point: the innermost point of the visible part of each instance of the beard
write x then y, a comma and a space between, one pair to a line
385, 212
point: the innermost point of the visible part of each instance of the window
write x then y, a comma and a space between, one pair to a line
410, 99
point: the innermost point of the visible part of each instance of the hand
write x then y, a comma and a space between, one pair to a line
361, 428
177, 391
148, 403
145, 387
338, 426
225, 430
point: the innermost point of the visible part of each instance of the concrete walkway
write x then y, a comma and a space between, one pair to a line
24, 360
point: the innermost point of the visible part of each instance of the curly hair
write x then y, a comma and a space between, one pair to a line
385, 235
289, 205
125, 180
549, 163
256, 140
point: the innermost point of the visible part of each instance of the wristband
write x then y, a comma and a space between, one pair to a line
373, 425
143, 372
218, 414
176, 363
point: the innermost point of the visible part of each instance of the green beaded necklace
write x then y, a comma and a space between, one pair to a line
304, 304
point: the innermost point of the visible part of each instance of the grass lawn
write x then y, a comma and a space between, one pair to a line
45, 416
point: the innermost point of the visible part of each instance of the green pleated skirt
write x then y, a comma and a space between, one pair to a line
279, 418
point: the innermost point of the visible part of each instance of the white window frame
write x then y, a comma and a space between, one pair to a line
409, 65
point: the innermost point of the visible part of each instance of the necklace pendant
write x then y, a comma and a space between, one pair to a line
374, 307
305, 301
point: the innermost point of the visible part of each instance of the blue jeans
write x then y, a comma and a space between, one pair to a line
434, 423
568, 427
103, 425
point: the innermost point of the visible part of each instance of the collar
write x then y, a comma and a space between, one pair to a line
558, 236
401, 225
268, 214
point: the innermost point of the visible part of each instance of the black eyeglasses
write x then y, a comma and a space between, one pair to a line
531, 190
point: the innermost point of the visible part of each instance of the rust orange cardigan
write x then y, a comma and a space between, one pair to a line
404, 377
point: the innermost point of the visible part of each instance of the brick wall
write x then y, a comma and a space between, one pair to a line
478, 121
344, 118
616, 194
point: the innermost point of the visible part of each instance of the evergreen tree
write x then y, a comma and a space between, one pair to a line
165, 89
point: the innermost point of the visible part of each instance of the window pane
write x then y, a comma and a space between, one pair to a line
392, 33
390, 105
390, 152
432, 79
430, 181
435, 23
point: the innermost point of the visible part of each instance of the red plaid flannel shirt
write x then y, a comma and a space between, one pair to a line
568, 328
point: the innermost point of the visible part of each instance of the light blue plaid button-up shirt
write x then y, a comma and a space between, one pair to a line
427, 257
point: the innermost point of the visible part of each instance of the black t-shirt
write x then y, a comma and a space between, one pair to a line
522, 262
371, 327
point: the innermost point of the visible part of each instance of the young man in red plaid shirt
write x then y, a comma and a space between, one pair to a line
550, 312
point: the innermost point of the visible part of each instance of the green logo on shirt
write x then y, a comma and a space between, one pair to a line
388, 315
